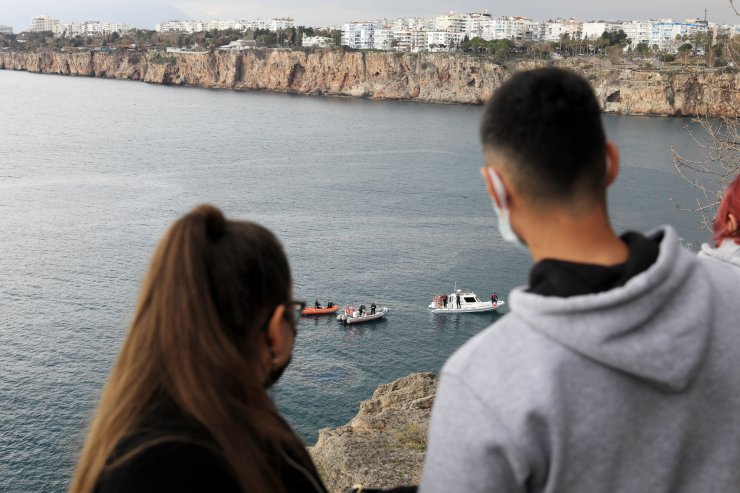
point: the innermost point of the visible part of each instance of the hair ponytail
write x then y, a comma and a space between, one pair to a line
193, 341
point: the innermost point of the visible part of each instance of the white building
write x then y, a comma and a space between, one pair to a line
556, 29
255, 24
476, 23
664, 33
536, 31
638, 31
513, 28
178, 27
95, 28
195, 49
239, 45
281, 23
5, 29
44, 23
443, 40
413, 24
412, 41
382, 39
451, 22
724, 30
190, 27
360, 35
218, 25
317, 41
594, 30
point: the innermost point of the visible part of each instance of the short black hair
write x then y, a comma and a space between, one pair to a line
547, 123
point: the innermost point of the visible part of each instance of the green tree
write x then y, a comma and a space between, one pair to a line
642, 49
615, 37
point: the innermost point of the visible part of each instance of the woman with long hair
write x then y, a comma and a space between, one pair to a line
726, 229
185, 407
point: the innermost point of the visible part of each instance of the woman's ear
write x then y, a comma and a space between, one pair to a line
612, 162
731, 225
279, 337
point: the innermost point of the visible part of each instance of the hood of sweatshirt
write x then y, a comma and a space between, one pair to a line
727, 251
655, 327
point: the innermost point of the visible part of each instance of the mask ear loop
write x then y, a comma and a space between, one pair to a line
498, 187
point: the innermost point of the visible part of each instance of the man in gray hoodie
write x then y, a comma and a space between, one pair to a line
618, 366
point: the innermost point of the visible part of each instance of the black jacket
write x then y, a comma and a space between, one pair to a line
191, 464
191, 468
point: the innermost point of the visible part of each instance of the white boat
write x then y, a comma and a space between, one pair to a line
469, 303
352, 316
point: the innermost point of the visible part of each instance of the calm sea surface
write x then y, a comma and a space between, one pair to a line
374, 201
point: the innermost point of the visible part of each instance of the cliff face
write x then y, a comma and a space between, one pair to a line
670, 93
434, 78
384, 445
424, 77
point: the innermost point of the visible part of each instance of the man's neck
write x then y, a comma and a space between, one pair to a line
587, 239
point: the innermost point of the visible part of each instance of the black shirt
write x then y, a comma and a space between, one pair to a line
564, 279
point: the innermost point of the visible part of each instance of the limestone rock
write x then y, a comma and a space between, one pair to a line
423, 77
383, 446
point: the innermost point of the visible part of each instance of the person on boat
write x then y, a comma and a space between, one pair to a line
186, 406
599, 377
457, 299
726, 228
372, 308
444, 299
362, 310
317, 304
330, 304
494, 299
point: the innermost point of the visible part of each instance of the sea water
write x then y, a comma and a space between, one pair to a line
374, 201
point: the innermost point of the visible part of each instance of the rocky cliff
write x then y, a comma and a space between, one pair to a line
384, 445
423, 77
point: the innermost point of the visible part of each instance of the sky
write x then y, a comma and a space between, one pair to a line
146, 13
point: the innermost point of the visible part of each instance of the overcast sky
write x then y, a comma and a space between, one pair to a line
145, 13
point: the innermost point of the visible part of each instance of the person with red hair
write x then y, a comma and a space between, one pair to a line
726, 229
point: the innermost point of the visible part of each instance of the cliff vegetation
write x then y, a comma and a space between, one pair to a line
383, 446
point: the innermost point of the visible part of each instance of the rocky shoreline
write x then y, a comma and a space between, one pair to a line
383, 446
452, 78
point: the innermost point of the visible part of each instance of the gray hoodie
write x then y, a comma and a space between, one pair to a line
728, 252
636, 389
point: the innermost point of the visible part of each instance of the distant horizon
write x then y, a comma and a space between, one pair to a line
144, 14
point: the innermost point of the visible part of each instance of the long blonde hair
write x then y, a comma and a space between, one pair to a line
210, 288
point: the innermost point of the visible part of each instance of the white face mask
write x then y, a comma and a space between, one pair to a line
504, 224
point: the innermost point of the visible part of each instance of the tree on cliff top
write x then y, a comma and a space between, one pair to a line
718, 141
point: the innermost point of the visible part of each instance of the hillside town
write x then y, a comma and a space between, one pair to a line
450, 31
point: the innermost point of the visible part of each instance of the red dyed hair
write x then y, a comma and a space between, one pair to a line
730, 205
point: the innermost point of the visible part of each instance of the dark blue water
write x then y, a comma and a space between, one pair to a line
374, 201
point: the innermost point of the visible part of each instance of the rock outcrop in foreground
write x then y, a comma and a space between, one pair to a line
422, 77
384, 445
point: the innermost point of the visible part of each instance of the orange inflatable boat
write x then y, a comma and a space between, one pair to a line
310, 310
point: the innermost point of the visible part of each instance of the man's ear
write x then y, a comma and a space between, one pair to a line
731, 225
277, 337
489, 185
612, 162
